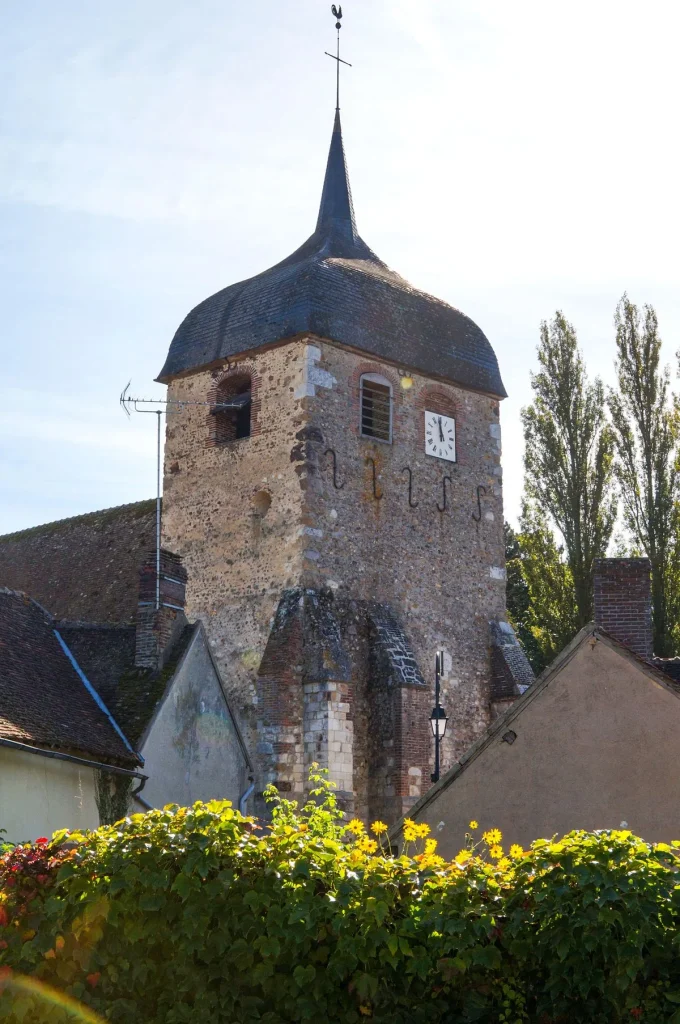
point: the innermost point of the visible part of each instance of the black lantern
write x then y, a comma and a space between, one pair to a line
438, 722
438, 717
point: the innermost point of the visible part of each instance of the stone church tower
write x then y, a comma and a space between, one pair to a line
333, 486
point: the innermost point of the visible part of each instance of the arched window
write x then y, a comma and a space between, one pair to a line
232, 409
376, 407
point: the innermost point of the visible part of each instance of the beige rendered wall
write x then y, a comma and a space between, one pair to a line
598, 746
192, 750
39, 795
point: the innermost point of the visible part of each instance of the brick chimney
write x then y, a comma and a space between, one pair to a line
158, 628
622, 593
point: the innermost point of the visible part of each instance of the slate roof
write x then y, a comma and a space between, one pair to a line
335, 286
44, 702
511, 672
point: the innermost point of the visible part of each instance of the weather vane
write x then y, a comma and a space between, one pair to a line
337, 14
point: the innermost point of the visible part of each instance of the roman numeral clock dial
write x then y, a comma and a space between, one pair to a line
440, 436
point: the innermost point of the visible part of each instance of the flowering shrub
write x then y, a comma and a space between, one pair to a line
199, 915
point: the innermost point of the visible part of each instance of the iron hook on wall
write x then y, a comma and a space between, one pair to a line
480, 491
331, 452
412, 503
378, 497
442, 508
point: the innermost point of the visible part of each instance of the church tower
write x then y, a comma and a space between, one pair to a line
337, 502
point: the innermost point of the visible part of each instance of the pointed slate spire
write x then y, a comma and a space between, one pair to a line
336, 213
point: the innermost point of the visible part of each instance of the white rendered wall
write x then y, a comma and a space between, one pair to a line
39, 795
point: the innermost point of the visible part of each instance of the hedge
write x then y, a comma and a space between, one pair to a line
200, 915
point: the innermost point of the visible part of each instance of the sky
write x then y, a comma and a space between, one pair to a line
512, 159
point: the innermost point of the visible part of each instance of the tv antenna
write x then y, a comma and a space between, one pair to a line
158, 407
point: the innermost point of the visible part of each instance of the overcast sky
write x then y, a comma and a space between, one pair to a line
512, 159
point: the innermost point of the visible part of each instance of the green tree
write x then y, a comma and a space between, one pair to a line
540, 589
569, 455
645, 423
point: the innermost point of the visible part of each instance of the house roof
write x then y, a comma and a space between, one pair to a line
45, 700
504, 721
132, 694
334, 286
83, 568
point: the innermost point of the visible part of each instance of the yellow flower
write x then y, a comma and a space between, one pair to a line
503, 864
423, 830
516, 851
410, 834
474, 824
463, 856
493, 836
378, 827
496, 852
410, 822
355, 826
430, 845
367, 845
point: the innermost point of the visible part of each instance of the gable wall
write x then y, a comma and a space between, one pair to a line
596, 747
192, 750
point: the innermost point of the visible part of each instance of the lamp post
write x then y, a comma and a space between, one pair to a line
438, 717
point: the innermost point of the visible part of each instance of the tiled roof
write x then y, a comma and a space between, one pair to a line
334, 286
670, 668
107, 656
44, 702
84, 568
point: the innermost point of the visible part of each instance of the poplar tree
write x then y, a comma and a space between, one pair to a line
568, 456
540, 589
645, 422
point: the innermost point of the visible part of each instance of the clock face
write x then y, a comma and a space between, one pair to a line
440, 436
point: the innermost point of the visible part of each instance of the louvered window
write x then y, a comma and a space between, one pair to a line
232, 410
376, 407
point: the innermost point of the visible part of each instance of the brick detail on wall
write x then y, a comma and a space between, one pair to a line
398, 700
355, 393
225, 384
158, 628
315, 661
622, 598
439, 399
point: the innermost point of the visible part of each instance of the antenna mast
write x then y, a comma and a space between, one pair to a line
159, 407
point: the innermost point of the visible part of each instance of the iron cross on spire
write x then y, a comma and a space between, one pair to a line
337, 14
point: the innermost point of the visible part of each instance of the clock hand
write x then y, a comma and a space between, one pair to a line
441, 432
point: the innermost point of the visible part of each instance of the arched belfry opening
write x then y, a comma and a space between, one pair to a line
232, 409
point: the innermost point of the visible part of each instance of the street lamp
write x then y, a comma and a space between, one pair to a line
438, 717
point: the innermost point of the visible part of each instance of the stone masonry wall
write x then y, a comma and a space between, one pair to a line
435, 562
442, 572
234, 514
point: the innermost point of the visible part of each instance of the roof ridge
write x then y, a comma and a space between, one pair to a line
26, 598
71, 519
